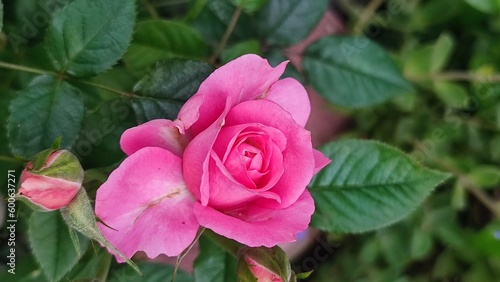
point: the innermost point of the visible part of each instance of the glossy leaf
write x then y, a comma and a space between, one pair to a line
51, 244
214, 264
367, 186
47, 109
485, 6
353, 72
97, 143
1, 16
163, 91
90, 36
286, 22
240, 49
156, 40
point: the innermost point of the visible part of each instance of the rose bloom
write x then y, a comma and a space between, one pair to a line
237, 160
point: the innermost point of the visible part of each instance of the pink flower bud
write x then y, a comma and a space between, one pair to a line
264, 265
51, 180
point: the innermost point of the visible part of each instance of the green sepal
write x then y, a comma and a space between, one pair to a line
75, 240
80, 216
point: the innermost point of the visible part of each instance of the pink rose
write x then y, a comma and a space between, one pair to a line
236, 161
54, 184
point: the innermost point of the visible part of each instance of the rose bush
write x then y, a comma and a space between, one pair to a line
236, 161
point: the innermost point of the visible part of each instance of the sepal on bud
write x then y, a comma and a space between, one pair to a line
264, 265
80, 216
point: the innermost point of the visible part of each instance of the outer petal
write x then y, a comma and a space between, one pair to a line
161, 133
146, 201
320, 161
298, 160
242, 79
293, 97
256, 226
50, 193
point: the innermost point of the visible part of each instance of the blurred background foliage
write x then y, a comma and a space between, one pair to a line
448, 50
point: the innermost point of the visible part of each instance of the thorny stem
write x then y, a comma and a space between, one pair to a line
366, 15
227, 34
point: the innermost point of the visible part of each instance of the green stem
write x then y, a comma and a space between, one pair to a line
103, 270
26, 69
472, 188
61, 76
456, 76
227, 34
185, 252
10, 160
366, 16
151, 10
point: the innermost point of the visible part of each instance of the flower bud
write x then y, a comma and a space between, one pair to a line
264, 265
51, 180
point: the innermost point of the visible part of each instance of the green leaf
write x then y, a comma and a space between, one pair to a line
242, 48
97, 144
51, 244
156, 40
353, 72
162, 92
441, 52
486, 176
276, 57
451, 94
47, 109
152, 272
286, 22
214, 264
250, 6
89, 36
367, 186
214, 19
485, 6
1, 16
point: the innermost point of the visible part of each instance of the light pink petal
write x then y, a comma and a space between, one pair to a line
242, 79
320, 161
298, 159
293, 97
145, 199
256, 226
50, 193
160, 133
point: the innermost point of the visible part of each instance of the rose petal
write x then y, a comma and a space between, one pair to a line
320, 161
50, 193
226, 192
160, 133
256, 226
145, 199
293, 97
196, 158
298, 160
242, 79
